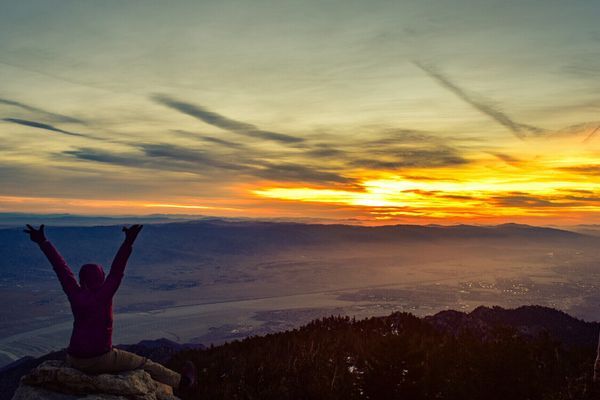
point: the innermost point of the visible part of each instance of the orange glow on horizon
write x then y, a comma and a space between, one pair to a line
559, 188
52, 204
546, 189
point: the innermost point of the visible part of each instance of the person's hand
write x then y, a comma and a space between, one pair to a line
132, 232
36, 235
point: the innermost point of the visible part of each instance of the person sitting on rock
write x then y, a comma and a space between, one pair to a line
90, 349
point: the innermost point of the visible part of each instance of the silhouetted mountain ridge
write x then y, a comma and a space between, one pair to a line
527, 320
491, 353
531, 352
183, 242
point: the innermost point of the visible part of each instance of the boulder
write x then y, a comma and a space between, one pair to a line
54, 380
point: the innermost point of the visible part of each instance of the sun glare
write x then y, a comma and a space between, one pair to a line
539, 189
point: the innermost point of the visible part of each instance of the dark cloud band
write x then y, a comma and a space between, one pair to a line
220, 121
40, 125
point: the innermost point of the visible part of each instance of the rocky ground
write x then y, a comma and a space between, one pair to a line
56, 381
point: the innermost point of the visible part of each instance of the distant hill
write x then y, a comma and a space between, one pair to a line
183, 241
19, 219
527, 320
593, 230
531, 352
191, 242
15, 219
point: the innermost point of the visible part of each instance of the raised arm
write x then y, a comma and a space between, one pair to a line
63, 272
117, 269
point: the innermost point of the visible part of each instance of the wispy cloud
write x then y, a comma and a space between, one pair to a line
556, 200
507, 158
592, 170
409, 157
301, 173
208, 139
517, 128
61, 78
246, 163
185, 154
400, 149
108, 157
324, 150
168, 157
223, 122
40, 125
523, 200
154, 157
390, 137
589, 129
50, 115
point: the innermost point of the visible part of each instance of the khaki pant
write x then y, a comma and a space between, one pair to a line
116, 361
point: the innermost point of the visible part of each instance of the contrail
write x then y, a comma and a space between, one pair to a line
515, 127
57, 77
51, 115
591, 135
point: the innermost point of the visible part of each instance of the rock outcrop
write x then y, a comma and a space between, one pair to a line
157, 350
53, 380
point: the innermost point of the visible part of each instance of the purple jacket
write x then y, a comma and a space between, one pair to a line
91, 300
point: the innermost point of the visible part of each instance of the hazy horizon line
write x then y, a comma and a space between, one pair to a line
174, 217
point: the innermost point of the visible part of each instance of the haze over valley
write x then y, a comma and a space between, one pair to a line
217, 280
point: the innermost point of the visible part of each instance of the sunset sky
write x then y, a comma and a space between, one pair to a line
376, 111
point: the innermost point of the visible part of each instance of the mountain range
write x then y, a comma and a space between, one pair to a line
530, 352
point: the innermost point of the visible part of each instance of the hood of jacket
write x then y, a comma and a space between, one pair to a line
91, 276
